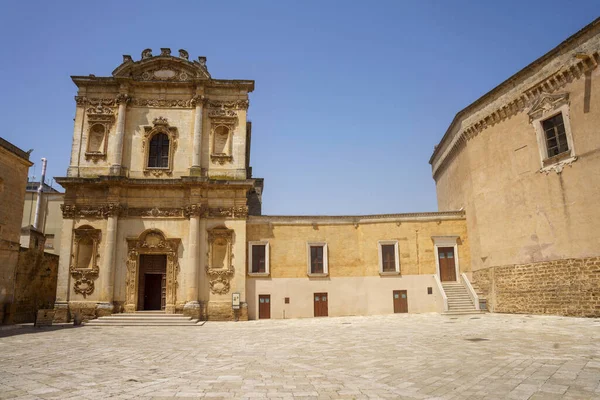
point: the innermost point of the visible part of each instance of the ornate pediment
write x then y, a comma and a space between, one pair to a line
547, 103
163, 67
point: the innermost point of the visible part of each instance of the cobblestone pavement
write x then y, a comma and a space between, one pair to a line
428, 356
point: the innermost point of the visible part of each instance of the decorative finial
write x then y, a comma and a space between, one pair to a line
146, 53
202, 61
127, 58
165, 51
184, 54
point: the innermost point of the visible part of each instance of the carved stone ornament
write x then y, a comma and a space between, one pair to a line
84, 250
219, 266
100, 119
162, 103
559, 166
106, 102
196, 210
160, 125
73, 211
154, 212
547, 103
230, 104
151, 241
228, 212
223, 123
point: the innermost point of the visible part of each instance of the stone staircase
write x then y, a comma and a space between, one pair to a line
459, 301
144, 318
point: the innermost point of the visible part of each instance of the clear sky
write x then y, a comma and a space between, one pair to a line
350, 98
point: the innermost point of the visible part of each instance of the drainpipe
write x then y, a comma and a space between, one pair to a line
38, 208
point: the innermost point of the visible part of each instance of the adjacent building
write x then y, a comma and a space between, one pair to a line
14, 166
523, 161
50, 218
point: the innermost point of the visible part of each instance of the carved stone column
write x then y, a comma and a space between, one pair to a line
107, 272
116, 153
196, 169
192, 306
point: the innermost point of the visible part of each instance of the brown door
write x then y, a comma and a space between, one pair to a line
447, 266
400, 301
321, 308
264, 306
152, 295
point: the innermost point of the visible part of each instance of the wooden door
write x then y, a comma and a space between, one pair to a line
264, 306
447, 266
152, 292
400, 301
321, 304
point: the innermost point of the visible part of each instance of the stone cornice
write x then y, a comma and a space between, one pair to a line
103, 211
355, 219
520, 101
184, 181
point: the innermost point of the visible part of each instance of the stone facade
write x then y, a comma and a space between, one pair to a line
568, 287
14, 165
35, 281
525, 206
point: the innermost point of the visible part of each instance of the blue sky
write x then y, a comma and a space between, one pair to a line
350, 96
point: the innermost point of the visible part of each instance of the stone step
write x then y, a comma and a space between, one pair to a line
138, 323
460, 312
144, 318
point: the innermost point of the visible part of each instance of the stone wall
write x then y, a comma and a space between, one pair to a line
35, 283
561, 287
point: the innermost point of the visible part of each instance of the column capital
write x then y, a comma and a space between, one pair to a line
199, 100
123, 98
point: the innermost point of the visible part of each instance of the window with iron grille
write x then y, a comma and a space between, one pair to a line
159, 151
555, 135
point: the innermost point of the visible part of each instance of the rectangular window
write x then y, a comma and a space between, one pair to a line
388, 254
316, 260
555, 135
389, 263
49, 242
259, 258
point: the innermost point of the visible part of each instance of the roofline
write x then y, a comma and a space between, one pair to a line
80, 80
524, 71
11, 148
355, 219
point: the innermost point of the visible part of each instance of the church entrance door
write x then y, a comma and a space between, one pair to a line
152, 292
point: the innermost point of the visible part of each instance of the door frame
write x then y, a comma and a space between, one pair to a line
393, 299
264, 296
446, 241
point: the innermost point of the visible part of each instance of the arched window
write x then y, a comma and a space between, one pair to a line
158, 156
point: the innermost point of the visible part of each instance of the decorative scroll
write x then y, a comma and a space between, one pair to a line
219, 266
151, 241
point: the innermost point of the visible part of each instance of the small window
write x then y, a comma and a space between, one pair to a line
389, 262
159, 151
555, 135
49, 242
258, 258
317, 259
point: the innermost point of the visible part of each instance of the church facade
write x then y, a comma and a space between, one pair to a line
161, 212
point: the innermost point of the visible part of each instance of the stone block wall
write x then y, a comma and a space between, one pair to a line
569, 287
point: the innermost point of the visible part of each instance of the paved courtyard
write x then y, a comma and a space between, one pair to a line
428, 356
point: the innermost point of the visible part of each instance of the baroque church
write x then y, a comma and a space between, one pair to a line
162, 212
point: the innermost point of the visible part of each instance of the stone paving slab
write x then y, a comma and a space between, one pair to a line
426, 356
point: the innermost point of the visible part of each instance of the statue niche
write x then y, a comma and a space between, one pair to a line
219, 267
84, 259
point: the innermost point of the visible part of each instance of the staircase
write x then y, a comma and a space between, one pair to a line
144, 318
459, 301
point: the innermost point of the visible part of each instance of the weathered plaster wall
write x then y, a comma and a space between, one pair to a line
354, 284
